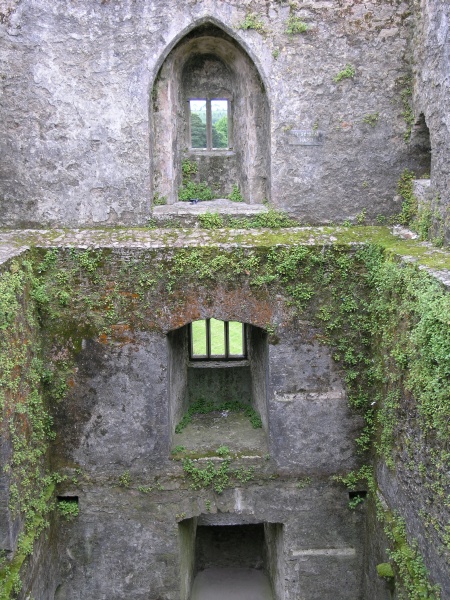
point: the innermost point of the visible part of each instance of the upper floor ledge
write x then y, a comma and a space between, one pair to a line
398, 241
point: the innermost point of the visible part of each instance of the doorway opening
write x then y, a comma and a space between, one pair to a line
231, 562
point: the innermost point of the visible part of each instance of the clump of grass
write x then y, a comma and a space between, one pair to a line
252, 21
348, 72
295, 25
235, 195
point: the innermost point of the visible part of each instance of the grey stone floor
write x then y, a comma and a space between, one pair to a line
208, 432
231, 583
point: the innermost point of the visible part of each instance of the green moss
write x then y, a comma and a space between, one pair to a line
27, 424
385, 570
10, 582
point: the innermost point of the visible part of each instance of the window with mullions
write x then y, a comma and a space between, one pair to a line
212, 339
209, 124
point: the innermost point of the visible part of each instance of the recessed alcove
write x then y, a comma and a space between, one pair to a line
230, 556
209, 69
234, 389
420, 144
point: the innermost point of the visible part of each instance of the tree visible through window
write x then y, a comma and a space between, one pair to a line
214, 339
208, 123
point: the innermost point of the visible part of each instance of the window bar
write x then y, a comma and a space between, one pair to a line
208, 338
227, 340
229, 127
208, 125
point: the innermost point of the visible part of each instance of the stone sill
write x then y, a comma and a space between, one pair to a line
218, 364
213, 152
221, 206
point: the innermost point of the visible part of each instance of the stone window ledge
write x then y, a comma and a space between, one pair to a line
223, 206
218, 364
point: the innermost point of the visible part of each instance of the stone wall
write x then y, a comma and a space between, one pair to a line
431, 68
77, 135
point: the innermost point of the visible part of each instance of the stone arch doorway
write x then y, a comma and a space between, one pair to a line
208, 65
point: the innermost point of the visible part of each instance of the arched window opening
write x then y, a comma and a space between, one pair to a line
210, 114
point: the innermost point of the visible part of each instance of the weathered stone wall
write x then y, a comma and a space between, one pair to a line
431, 68
77, 139
228, 384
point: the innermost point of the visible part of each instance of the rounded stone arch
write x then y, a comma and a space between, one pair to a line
246, 160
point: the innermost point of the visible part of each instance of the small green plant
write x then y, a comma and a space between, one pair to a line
145, 489
188, 168
195, 191
211, 221
125, 479
409, 201
223, 451
351, 480
295, 25
252, 21
235, 195
361, 217
273, 219
271, 329
276, 53
191, 190
217, 477
303, 483
159, 200
208, 505
348, 72
178, 449
355, 501
151, 224
180, 516
371, 119
407, 113
68, 509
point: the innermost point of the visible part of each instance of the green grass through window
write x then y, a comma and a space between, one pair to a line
217, 332
199, 338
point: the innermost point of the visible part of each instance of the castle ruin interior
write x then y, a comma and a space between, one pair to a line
224, 307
